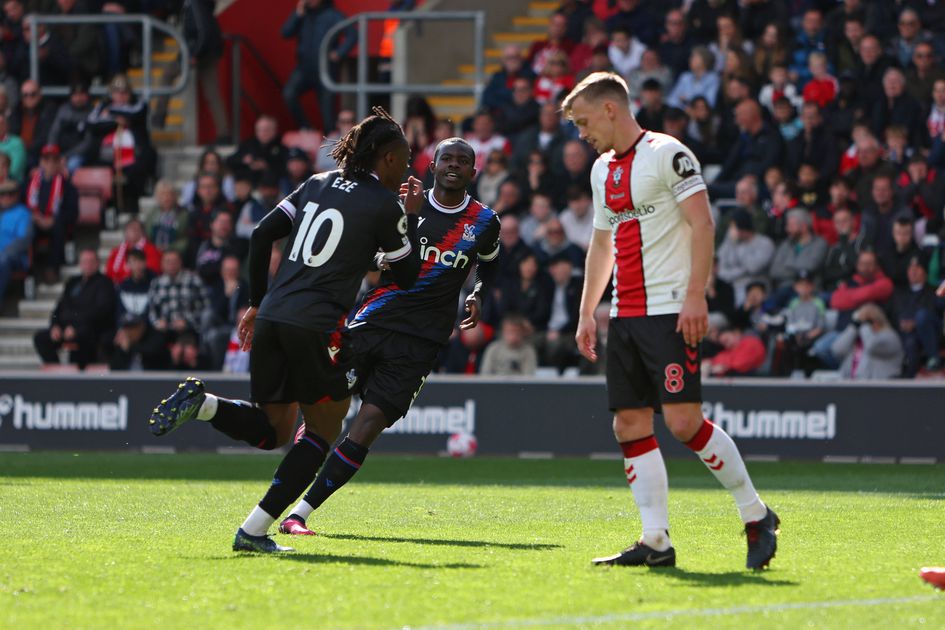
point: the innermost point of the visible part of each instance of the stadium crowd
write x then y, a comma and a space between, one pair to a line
820, 126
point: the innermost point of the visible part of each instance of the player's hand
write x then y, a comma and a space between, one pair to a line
693, 320
412, 195
245, 329
941, 289
68, 333
381, 262
55, 333
586, 337
474, 308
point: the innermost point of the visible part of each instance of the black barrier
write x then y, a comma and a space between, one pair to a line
537, 417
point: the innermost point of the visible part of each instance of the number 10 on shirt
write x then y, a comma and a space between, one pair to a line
305, 238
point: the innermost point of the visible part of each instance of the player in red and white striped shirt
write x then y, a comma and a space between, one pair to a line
653, 239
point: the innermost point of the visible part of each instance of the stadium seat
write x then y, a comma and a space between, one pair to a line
94, 184
309, 141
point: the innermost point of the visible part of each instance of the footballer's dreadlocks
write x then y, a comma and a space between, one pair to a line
358, 151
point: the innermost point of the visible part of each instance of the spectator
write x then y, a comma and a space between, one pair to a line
9, 86
555, 80
264, 151
120, 139
12, 34
205, 42
344, 124
207, 204
511, 354
547, 137
868, 348
699, 80
897, 107
675, 43
235, 361
32, 119
728, 37
166, 224
12, 145
868, 76
528, 293
592, 41
810, 192
841, 260
805, 321
186, 355
652, 108
895, 261
557, 347
517, 117
871, 165
484, 139
747, 198
212, 251
771, 51
512, 248
248, 213
810, 39
815, 144
118, 39
511, 200
423, 162
419, 123
744, 255
651, 67
16, 234
498, 91
750, 315
911, 34
599, 62
704, 127
309, 23
824, 224
539, 180
556, 244
138, 346
822, 87
82, 315
81, 41
132, 292
577, 164
742, 355
117, 266
923, 191
878, 216
916, 318
789, 126
68, 130
577, 13
778, 86
868, 284
55, 65
533, 226
923, 73
210, 162
758, 147
625, 51
634, 17
228, 296
801, 251
577, 218
54, 203
464, 353
557, 41
488, 182
676, 124
177, 299
298, 169
845, 51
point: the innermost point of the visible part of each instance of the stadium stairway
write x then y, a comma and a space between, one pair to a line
178, 164
525, 29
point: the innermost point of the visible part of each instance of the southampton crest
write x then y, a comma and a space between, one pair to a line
618, 175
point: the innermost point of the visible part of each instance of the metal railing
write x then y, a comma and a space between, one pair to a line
362, 88
148, 25
238, 43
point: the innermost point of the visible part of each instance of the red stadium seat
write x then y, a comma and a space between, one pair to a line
94, 184
308, 141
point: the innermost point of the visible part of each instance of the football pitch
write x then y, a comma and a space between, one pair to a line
143, 541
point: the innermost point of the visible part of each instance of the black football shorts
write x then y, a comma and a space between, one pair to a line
649, 363
391, 367
289, 363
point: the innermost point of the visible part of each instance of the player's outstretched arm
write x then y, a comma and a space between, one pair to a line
598, 268
693, 320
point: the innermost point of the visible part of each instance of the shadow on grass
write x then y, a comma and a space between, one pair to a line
727, 578
446, 542
325, 558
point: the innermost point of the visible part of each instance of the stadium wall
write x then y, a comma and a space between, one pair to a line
895, 421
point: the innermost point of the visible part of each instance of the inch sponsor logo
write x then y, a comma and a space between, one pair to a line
774, 424
64, 416
449, 257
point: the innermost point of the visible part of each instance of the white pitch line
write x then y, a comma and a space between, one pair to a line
695, 612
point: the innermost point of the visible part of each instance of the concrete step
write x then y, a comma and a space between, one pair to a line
529, 24
173, 120
110, 238
459, 82
37, 309
20, 362
21, 326
169, 56
520, 39
16, 347
163, 137
542, 9
470, 69
49, 291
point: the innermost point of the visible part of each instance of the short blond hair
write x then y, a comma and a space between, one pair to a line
596, 86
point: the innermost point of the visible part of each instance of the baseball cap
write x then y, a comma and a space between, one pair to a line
50, 150
803, 274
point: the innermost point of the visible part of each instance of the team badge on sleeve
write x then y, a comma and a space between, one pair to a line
402, 225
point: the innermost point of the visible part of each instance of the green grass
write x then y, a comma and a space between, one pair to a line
143, 541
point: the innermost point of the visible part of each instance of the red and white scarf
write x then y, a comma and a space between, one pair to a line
55, 194
121, 258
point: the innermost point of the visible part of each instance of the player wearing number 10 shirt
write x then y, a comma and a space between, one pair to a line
653, 241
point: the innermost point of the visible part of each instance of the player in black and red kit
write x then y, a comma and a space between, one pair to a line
398, 331
335, 223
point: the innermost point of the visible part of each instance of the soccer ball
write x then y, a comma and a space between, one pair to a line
461, 445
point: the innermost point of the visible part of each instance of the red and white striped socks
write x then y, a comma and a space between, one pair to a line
646, 474
718, 452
